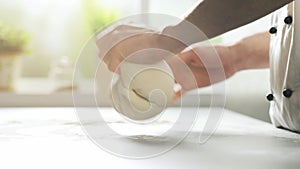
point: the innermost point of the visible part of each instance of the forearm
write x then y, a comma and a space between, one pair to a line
252, 52
215, 17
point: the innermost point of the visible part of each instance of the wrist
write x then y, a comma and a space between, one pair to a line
252, 52
169, 41
237, 52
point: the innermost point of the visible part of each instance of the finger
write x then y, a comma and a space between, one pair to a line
113, 59
191, 58
178, 94
106, 59
113, 65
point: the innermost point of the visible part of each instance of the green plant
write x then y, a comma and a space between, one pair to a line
98, 14
12, 40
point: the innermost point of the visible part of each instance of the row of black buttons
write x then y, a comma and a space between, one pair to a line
286, 93
287, 20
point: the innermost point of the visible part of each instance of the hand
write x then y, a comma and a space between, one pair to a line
124, 40
202, 66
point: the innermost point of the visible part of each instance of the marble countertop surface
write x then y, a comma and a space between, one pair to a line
54, 138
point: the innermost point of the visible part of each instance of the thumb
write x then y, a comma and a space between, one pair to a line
178, 94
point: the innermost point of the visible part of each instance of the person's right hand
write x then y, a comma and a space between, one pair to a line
203, 66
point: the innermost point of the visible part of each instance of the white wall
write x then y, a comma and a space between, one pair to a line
246, 93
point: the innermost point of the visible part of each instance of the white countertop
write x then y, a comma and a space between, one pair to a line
52, 138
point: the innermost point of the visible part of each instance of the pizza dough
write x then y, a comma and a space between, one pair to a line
141, 91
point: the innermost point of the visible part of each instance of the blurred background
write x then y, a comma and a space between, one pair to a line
41, 39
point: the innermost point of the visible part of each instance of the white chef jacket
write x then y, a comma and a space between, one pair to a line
285, 67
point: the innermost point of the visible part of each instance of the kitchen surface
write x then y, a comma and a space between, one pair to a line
53, 138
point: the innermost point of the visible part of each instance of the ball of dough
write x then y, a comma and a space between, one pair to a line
143, 91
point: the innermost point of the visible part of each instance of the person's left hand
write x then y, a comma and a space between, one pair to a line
124, 40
